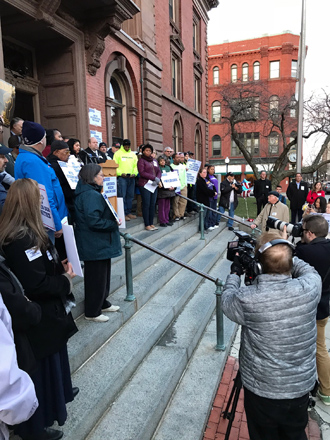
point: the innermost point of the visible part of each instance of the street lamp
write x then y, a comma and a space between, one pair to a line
227, 160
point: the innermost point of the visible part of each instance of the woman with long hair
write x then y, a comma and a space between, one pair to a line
98, 241
319, 207
75, 149
47, 281
315, 192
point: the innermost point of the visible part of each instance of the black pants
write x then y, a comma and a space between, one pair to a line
296, 213
271, 419
97, 285
261, 202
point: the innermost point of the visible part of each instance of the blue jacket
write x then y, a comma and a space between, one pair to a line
31, 164
97, 232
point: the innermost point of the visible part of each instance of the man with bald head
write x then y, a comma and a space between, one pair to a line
93, 150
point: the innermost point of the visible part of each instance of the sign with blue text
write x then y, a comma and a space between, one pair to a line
170, 180
193, 168
110, 186
95, 117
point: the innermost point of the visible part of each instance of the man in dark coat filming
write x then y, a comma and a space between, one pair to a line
316, 251
278, 342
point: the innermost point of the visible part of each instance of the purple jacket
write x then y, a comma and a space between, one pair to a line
148, 169
215, 184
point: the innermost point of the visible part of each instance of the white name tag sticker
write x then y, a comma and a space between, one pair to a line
33, 254
267, 186
49, 255
302, 188
274, 213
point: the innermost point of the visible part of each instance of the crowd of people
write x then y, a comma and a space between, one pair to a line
36, 278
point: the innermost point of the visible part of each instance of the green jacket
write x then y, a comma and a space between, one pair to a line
97, 233
127, 161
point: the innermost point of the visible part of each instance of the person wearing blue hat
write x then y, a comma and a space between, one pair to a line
30, 163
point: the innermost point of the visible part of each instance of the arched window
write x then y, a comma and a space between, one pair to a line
274, 106
256, 71
216, 111
198, 143
245, 72
273, 143
177, 133
234, 73
216, 145
117, 108
216, 75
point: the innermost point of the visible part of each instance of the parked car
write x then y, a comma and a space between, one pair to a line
327, 187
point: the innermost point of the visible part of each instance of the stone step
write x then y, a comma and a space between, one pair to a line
148, 392
109, 368
145, 284
164, 239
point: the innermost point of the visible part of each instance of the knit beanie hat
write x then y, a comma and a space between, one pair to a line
32, 133
58, 145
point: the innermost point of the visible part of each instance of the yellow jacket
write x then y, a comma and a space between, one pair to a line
127, 162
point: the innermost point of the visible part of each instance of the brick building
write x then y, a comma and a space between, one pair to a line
259, 76
141, 65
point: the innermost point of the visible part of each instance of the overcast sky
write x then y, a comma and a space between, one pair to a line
240, 20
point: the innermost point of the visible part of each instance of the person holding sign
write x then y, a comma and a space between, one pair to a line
164, 196
98, 241
47, 281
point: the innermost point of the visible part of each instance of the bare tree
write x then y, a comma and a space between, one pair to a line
249, 106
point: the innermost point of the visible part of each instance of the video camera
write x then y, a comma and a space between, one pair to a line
296, 230
244, 249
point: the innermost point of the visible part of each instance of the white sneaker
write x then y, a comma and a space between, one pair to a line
211, 228
216, 226
100, 318
111, 309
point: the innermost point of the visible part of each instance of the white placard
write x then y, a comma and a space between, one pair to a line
171, 180
112, 209
71, 171
121, 212
71, 249
46, 212
110, 186
97, 135
193, 168
150, 187
95, 117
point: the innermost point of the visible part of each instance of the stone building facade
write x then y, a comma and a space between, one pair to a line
141, 65
265, 68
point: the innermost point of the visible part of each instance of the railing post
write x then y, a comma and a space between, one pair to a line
201, 221
128, 269
219, 317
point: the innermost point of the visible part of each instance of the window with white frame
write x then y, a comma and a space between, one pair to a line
234, 73
274, 106
216, 76
274, 69
294, 69
273, 143
216, 145
245, 72
256, 71
216, 111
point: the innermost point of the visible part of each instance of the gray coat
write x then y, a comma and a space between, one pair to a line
278, 343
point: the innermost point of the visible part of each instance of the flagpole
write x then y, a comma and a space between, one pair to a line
301, 86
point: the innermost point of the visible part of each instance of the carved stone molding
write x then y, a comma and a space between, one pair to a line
27, 84
94, 46
176, 40
46, 11
287, 48
264, 51
198, 66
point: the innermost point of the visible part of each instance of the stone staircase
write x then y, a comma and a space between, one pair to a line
152, 370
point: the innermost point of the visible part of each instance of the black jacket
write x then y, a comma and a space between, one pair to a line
203, 192
24, 314
297, 196
262, 188
225, 188
317, 254
69, 194
96, 156
43, 282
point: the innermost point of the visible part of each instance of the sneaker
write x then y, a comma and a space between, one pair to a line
325, 399
182, 218
100, 318
131, 216
176, 219
162, 225
111, 309
216, 226
211, 228
127, 218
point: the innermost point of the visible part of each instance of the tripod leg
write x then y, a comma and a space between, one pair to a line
234, 393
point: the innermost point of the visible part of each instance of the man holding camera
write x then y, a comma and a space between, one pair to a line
274, 208
316, 251
277, 353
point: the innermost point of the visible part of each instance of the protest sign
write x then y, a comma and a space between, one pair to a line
170, 179
71, 171
46, 213
110, 186
112, 209
121, 212
193, 168
71, 249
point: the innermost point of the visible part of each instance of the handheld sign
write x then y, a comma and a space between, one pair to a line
71, 171
193, 168
46, 212
111, 208
71, 249
170, 179
110, 186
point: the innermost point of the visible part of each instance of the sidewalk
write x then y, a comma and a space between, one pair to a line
319, 417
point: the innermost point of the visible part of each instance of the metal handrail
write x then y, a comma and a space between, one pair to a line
129, 280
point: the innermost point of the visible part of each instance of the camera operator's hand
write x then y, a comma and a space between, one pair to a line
284, 233
236, 267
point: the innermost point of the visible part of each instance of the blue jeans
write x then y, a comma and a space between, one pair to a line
230, 213
211, 217
148, 205
126, 190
